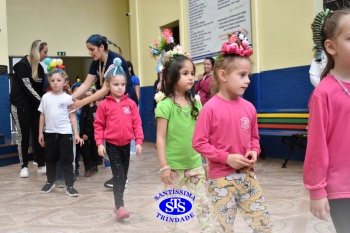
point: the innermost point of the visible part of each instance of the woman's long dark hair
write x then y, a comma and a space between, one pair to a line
98, 40
171, 75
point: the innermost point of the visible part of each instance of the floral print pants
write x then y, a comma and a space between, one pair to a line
239, 191
194, 180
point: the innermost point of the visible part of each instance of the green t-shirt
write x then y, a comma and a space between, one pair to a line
179, 151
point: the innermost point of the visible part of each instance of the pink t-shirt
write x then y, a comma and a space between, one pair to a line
327, 161
225, 127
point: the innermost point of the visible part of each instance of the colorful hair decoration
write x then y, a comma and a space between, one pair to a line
159, 67
54, 63
166, 43
116, 67
317, 32
166, 49
238, 44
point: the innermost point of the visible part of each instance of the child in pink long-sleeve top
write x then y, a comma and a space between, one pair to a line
117, 121
226, 134
327, 161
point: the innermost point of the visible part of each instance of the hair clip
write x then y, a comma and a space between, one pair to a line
317, 37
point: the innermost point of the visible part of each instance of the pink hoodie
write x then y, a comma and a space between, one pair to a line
118, 122
327, 161
225, 127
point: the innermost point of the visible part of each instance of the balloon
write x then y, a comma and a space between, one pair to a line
49, 68
61, 67
53, 64
59, 61
47, 61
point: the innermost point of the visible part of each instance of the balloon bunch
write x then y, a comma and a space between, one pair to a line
53, 63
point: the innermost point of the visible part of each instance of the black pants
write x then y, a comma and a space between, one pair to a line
59, 147
89, 153
27, 121
340, 210
119, 157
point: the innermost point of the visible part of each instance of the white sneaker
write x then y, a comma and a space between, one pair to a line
24, 173
35, 163
42, 170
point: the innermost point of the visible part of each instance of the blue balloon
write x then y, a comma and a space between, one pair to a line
47, 61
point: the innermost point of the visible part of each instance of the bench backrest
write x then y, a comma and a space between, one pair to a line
283, 121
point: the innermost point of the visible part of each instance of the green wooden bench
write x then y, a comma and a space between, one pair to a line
289, 124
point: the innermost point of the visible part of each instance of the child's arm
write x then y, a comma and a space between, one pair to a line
41, 129
162, 125
73, 121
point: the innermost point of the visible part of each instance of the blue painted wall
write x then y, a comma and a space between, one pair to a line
147, 113
288, 88
5, 126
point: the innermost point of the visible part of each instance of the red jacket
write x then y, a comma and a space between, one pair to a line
117, 123
203, 87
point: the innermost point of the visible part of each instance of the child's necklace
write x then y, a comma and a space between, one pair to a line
346, 91
185, 112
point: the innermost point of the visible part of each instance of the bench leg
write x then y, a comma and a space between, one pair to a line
292, 144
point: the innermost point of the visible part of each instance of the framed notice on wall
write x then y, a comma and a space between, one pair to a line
211, 20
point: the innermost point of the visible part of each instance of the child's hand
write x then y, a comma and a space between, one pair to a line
252, 156
41, 140
101, 150
85, 137
138, 149
165, 176
320, 208
78, 140
237, 161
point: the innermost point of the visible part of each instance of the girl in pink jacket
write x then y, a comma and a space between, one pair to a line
327, 161
117, 121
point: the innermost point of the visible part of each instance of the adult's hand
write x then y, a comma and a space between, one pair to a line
76, 105
200, 77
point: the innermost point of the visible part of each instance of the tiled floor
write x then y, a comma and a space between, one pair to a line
24, 209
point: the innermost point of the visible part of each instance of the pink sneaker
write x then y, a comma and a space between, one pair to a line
121, 213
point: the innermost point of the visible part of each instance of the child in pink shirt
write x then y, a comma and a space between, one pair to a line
117, 121
226, 134
327, 161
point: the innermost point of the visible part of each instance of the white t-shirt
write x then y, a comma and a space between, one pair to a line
56, 113
316, 70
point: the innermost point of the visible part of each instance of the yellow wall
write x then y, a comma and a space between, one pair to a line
3, 34
144, 29
281, 34
65, 24
285, 33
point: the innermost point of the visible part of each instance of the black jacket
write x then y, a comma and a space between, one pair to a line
25, 91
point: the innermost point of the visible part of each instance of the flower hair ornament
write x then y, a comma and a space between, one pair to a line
116, 67
165, 48
317, 32
238, 44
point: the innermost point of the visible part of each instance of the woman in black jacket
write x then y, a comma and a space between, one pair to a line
26, 92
